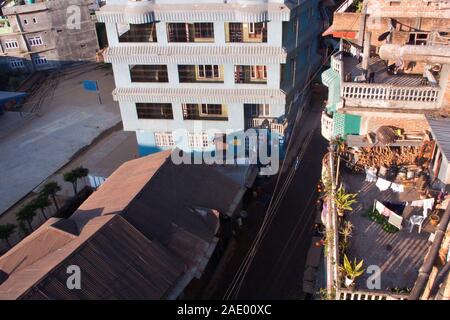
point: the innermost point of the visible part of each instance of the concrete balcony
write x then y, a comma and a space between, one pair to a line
327, 126
385, 90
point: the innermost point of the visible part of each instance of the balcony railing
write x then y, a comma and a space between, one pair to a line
346, 294
370, 91
274, 125
360, 93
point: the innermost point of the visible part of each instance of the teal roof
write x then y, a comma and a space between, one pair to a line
329, 76
345, 124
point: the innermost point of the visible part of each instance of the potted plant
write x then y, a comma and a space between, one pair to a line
344, 201
352, 270
434, 219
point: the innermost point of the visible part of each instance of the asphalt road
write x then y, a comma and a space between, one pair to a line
277, 267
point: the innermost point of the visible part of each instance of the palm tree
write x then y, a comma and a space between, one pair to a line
41, 202
23, 230
74, 175
26, 214
50, 189
344, 201
72, 178
6, 231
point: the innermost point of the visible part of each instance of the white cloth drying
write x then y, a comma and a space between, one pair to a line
397, 187
383, 184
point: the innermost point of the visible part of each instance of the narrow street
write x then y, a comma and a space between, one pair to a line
276, 270
277, 266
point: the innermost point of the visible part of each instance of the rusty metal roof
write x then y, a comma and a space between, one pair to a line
137, 237
441, 132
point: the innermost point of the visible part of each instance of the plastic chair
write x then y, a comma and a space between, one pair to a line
416, 221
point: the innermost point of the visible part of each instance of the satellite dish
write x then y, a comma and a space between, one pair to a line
384, 36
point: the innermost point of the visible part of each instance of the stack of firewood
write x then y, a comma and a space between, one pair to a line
387, 156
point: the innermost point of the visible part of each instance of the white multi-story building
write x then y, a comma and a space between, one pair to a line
198, 65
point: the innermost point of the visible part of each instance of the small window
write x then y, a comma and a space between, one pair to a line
25, 21
40, 61
35, 41
164, 139
34, 20
16, 63
199, 140
11, 44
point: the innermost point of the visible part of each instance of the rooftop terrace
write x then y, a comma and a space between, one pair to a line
400, 254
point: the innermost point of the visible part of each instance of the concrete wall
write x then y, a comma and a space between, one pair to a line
49, 21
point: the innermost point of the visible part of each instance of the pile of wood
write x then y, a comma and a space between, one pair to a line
388, 156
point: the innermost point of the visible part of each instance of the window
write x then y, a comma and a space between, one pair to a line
40, 61
259, 72
11, 44
204, 30
154, 111
211, 109
418, 38
199, 140
205, 111
34, 20
25, 21
208, 71
145, 32
190, 32
164, 139
259, 110
35, 41
246, 32
148, 73
250, 74
16, 63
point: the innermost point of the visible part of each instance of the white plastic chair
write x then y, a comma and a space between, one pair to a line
416, 221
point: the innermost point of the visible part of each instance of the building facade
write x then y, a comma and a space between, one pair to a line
209, 67
392, 69
44, 35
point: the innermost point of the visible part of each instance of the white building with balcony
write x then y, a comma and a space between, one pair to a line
203, 65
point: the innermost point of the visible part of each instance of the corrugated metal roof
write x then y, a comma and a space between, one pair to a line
441, 133
136, 237
195, 54
200, 95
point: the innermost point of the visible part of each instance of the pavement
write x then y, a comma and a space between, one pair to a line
37, 145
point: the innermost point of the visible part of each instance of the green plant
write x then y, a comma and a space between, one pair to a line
346, 230
23, 230
41, 202
73, 176
26, 214
383, 221
344, 201
50, 189
6, 231
352, 270
359, 6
